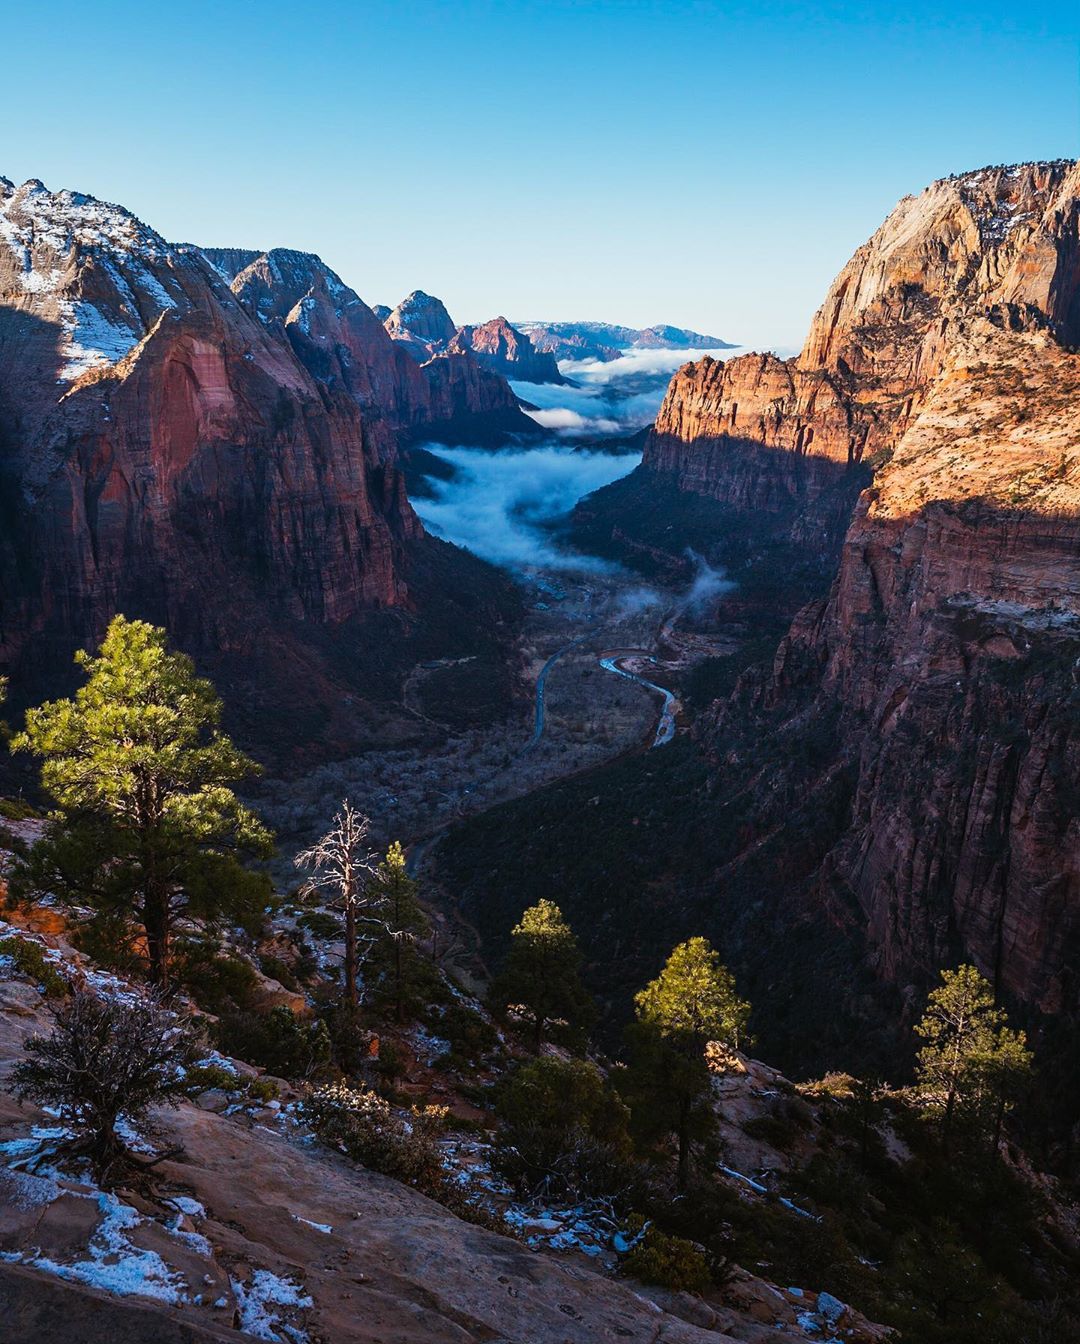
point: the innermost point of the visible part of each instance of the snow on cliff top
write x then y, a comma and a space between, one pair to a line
34, 217
45, 231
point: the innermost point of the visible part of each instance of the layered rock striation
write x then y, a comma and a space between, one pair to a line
940, 677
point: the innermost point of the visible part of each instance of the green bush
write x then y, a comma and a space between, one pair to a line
564, 1130
218, 982
278, 969
263, 1089
29, 959
277, 1041
14, 809
209, 1078
671, 1262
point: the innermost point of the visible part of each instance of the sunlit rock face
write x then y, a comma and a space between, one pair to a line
948, 648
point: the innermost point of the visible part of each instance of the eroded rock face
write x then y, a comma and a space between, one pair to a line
504, 350
949, 648
213, 453
1001, 241
420, 322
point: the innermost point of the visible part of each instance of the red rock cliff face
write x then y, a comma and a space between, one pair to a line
1002, 240
173, 449
948, 649
504, 350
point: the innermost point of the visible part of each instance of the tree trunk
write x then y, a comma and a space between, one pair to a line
156, 924
946, 1127
350, 956
683, 1176
999, 1121
398, 1004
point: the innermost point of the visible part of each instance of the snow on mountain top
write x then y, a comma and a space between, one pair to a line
46, 231
34, 217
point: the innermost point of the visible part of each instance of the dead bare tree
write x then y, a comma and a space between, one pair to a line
342, 871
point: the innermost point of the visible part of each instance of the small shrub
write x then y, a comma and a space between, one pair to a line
28, 958
263, 1089
366, 1128
564, 1130
14, 809
671, 1262
392, 1063
209, 1078
278, 969
471, 1035
217, 981
102, 1061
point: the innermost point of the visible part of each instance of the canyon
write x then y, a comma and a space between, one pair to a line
919, 458
794, 665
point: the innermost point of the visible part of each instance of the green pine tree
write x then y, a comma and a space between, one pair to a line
690, 1004
971, 1063
146, 829
542, 973
405, 922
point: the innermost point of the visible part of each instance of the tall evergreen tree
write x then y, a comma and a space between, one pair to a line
542, 973
690, 1004
146, 831
970, 1062
403, 918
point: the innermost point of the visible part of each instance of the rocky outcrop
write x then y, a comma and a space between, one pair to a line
946, 654
504, 350
467, 395
1000, 242
216, 456
421, 324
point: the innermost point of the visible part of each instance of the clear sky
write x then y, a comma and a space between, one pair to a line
705, 163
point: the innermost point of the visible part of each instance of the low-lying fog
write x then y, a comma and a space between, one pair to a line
497, 502
616, 397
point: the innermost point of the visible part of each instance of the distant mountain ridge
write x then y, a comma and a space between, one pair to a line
421, 324
607, 341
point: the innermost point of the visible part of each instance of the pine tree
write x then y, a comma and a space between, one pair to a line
970, 1062
690, 1004
147, 831
542, 973
403, 918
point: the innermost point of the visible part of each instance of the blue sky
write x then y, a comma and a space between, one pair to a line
704, 163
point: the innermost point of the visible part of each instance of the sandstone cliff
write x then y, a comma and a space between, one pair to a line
504, 350
946, 652
218, 461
